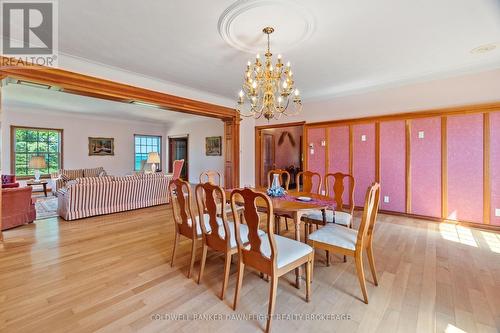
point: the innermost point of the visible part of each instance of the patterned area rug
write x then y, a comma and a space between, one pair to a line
46, 207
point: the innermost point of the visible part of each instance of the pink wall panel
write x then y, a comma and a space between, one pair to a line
465, 167
392, 165
495, 165
425, 167
338, 154
363, 160
316, 161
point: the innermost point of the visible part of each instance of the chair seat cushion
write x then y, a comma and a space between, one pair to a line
288, 250
243, 233
336, 217
206, 218
336, 235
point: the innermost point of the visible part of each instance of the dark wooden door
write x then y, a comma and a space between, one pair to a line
178, 150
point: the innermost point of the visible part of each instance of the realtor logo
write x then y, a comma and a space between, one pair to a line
29, 31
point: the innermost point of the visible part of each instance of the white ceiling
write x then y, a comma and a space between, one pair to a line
31, 98
336, 47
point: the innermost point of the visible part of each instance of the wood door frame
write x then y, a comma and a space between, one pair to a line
170, 154
91, 86
258, 143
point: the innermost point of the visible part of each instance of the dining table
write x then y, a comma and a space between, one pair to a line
292, 206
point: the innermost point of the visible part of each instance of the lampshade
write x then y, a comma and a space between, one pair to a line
153, 157
37, 162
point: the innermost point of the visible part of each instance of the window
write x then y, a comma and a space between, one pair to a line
27, 142
145, 144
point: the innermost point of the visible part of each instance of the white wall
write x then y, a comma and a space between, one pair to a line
197, 132
77, 129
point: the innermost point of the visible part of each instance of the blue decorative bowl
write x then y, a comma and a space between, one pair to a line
276, 192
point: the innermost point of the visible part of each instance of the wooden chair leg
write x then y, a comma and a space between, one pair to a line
176, 242
361, 275
193, 253
308, 280
272, 301
345, 258
327, 258
371, 260
306, 232
239, 281
203, 259
277, 223
286, 224
227, 268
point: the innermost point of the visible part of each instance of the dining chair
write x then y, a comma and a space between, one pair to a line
284, 179
308, 185
180, 193
351, 242
211, 176
334, 189
269, 253
208, 197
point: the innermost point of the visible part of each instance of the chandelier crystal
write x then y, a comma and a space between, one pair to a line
268, 89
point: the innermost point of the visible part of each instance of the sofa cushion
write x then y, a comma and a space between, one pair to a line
71, 174
92, 180
93, 172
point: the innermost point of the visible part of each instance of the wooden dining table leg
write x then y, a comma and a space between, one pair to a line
296, 220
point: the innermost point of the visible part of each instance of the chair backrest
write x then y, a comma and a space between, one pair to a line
208, 197
369, 214
336, 190
373, 219
177, 169
211, 176
308, 184
180, 193
281, 173
251, 253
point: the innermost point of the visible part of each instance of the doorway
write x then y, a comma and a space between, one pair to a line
278, 147
178, 150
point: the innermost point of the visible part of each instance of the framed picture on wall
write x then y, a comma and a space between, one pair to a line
101, 146
213, 146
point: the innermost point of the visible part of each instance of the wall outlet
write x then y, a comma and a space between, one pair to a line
323, 192
386, 199
312, 151
323, 143
421, 134
363, 137
497, 212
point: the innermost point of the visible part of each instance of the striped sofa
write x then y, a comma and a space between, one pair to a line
92, 196
61, 177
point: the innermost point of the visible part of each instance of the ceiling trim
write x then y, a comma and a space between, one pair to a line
91, 86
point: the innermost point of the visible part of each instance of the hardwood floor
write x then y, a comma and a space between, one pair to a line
112, 274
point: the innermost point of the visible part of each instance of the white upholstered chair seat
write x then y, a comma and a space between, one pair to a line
288, 250
243, 233
206, 218
336, 235
336, 217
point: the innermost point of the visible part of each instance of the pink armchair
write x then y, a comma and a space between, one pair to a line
17, 207
177, 167
9, 181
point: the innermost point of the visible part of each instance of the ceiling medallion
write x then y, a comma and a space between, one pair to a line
268, 89
246, 15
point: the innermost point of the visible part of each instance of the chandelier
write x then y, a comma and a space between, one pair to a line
268, 90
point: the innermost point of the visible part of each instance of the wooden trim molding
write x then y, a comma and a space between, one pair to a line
377, 152
71, 82
408, 165
486, 169
444, 168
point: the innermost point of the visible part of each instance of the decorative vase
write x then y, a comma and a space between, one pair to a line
276, 181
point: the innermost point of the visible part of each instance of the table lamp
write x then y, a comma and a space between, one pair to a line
37, 163
153, 159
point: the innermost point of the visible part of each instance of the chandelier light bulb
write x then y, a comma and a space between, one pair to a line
257, 56
288, 64
285, 85
254, 84
249, 63
241, 94
297, 93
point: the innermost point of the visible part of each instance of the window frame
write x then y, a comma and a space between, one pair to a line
160, 147
13, 129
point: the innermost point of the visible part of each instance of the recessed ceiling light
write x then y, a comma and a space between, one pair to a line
484, 48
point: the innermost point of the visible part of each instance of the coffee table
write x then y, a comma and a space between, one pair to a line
36, 183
